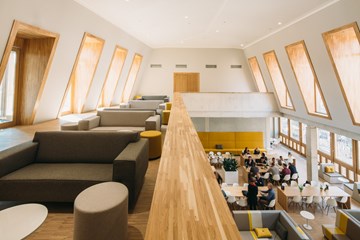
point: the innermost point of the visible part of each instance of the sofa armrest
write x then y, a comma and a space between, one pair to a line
152, 123
17, 157
89, 123
130, 167
124, 105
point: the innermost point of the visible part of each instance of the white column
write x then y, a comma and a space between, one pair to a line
268, 129
311, 153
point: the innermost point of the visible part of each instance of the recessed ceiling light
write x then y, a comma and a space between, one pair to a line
217, 31
241, 45
279, 23
186, 17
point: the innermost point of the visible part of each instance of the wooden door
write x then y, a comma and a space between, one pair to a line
186, 82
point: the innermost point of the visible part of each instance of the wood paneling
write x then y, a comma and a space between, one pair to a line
186, 82
255, 70
343, 46
187, 202
112, 77
130, 81
37, 48
306, 78
278, 80
83, 73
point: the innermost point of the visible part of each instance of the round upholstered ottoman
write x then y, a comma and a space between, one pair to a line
69, 126
101, 212
154, 143
168, 106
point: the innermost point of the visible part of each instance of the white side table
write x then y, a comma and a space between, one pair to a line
308, 216
20, 221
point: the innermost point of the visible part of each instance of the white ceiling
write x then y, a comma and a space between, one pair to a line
202, 23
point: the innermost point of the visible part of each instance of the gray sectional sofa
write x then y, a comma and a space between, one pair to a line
278, 222
142, 104
347, 226
110, 120
57, 166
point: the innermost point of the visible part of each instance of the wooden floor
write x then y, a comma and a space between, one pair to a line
59, 223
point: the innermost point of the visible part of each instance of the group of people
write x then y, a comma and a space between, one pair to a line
252, 195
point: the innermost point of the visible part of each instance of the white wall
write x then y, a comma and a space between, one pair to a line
220, 79
70, 20
310, 30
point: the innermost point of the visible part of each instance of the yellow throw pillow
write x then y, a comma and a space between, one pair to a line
329, 169
263, 233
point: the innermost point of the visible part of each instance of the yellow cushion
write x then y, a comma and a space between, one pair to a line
329, 169
263, 233
138, 97
168, 106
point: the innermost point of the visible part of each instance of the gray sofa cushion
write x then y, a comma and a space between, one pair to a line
119, 128
124, 118
281, 231
150, 104
96, 147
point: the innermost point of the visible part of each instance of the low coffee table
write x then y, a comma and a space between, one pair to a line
20, 221
308, 216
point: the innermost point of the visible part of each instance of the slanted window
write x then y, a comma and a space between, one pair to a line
294, 130
82, 74
324, 142
344, 50
284, 126
255, 69
113, 76
306, 78
344, 149
278, 80
135, 67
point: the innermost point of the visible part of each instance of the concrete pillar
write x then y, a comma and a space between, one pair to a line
268, 129
311, 153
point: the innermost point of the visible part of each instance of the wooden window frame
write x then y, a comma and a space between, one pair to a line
128, 76
325, 35
254, 59
315, 79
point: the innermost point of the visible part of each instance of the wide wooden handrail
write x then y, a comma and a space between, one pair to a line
187, 201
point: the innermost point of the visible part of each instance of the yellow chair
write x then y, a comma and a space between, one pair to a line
165, 117
154, 138
168, 106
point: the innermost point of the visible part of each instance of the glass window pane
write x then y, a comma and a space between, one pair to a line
324, 141
303, 129
7, 90
295, 132
343, 149
320, 107
284, 128
255, 69
135, 67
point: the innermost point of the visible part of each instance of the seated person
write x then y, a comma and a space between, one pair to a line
254, 169
270, 162
292, 169
246, 151
280, 161
261, 161
249, 161
259, 180
285, 171
256, 151
264, 156
274, 170
267, 196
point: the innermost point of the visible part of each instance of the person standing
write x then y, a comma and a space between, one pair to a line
292, 169
252, 194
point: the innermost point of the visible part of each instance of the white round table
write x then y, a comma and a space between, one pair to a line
20, 221
308, 216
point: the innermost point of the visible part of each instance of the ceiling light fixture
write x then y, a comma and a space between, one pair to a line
241, 45
217, 31
186, 17
279, 23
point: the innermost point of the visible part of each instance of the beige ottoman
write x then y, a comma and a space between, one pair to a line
101, 212
71, 126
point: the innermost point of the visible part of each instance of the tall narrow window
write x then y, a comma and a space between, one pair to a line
284, 126
306, 78
278, 80
113, 76
135, 67
255, 69
343, 45
303, 132
324, 143
344, 149
82, 74
294, 130
8, 91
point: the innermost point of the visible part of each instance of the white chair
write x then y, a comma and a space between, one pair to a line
309, 201
246, 185
242, 203
293, 184
235, 184
276, 179
286, 178
231, 200
224, 185
317, 201
314, 183
284, 185
211, 153
296, 201
342, 202
331, 202
271, 205
307, 185
266, 177
218, 153
295, 177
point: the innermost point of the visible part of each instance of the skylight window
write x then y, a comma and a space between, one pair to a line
255, 69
